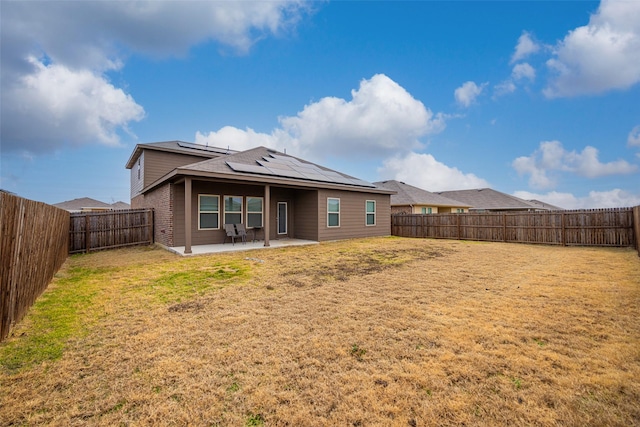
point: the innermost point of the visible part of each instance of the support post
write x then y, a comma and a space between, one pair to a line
187, 215
267, 214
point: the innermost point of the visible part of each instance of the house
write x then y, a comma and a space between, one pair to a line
413, 200
87, 204
489, 200
195, 189
545, 205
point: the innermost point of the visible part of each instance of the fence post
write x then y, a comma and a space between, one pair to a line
504, 227
458, 225
150, 218
563, 232
636, 226
87, 237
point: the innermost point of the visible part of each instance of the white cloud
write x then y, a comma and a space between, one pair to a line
56, 105
520, 72
78, 42
381, 118
551, 157
466, 94
504, 88
523, 71
596, 199
601, 56
633, 140
525, 47
424, 171
240, 140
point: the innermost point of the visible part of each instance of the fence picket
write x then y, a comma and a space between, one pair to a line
90, 231
596, 227
33, 244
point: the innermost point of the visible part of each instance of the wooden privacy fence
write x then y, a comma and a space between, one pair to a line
107, 230
597, 227
33, 246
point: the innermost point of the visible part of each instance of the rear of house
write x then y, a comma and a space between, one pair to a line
274, 195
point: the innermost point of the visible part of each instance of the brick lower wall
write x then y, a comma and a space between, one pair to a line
161, 200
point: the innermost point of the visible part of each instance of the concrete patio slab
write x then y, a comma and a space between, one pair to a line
239, 246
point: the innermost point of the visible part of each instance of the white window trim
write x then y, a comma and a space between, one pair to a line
246, 201
241, 212
217, 227
367, 213
333, 213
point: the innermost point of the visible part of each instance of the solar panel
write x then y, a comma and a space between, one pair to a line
241, 167
289, 167
203, 147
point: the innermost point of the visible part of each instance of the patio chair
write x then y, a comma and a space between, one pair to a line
242, 232
231, 232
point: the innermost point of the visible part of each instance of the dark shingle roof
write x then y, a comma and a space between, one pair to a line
81, 203
408, 195
545, 205
489, 199
183, 147
220, 168
85, 203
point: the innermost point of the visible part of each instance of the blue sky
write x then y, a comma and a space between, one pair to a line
537, 99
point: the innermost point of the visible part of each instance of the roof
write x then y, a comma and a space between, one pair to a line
204, 151
544, 205
87, 203
121, 205
267, 166
489, 199
408, 195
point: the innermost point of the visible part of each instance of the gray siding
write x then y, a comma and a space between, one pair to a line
306, 215
137, 176
353, 215
159, 163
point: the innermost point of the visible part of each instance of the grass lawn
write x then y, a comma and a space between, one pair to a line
371, 332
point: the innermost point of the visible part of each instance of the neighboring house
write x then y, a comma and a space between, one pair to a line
87, 204
413, 200
195, 190
489, 200
545, 205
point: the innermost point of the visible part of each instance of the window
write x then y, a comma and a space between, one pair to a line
371, 212
254, 212
333, 212
459, 210
139, 168
208, 212
232, 209
426, 210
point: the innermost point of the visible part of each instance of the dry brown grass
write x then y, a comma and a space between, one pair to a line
373, 332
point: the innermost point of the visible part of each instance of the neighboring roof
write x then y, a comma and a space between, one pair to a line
85, 203
545, 205
489, 199
408, 195
267, 166
182, 147
120, 205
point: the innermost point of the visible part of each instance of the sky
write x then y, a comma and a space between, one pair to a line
538, 99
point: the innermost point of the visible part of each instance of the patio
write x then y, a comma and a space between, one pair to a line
239, 246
